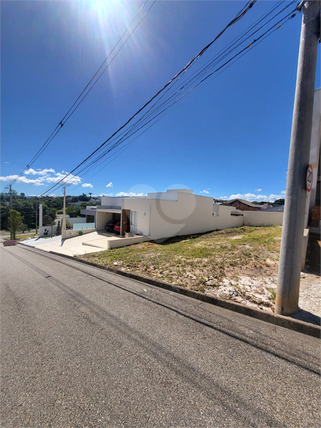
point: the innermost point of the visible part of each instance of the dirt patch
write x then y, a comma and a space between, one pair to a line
238, 264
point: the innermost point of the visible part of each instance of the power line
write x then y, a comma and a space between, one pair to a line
224, 66
86, 90
156, 113
132, 131
183, 70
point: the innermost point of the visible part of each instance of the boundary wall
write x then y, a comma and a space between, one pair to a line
262, 218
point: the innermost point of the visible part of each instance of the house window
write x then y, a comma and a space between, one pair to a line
133, 218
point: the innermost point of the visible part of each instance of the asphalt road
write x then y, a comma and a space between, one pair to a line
81, 347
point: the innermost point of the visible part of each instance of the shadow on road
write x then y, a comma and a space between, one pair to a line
307, 316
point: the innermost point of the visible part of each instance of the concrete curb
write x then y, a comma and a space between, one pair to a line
279, 320
9, 243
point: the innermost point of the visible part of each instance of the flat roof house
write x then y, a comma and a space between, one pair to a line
166, 214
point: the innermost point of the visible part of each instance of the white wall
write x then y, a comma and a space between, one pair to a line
123, 242
111, 201
262, 218
162, 218
143, 207
47, 230
102, 218
72, 233
190, 214
182, 213
169, 195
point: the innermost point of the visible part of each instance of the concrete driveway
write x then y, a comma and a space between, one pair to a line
84, 244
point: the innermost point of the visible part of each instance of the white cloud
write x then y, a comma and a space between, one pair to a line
204, 191
45, 171
237, 196
87, 185
110, 184
23, 179
30, 171
68, 181
46, 175
258, 190
252, 197
131, 194
283, 192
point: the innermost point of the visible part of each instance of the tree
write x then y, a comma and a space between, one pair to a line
58, 230
15, 222
73, 211
27, 210
23, 228
56, 203
47, 220
83, 197
279, 202
4, 212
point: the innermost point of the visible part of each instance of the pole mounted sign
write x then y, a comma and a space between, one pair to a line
309, 178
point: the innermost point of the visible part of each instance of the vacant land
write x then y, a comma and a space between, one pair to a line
240, 264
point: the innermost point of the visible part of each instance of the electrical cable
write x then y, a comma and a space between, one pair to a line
225, 52
224, 66
273, 27
148, 113
85, 92
156, 114
183, 70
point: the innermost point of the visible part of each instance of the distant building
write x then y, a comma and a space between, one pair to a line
90, 213
274, 208
240, 204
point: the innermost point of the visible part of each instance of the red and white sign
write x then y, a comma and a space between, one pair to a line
309, 178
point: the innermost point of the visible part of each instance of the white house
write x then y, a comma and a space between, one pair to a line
165, 214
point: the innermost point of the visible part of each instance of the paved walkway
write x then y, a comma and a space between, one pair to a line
84, 244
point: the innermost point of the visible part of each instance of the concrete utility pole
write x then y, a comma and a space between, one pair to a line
10, 203
36, 217
40, 216
63, 228
287, 294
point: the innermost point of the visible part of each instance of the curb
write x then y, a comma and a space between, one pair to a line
279, 320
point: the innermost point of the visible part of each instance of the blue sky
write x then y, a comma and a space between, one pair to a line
228, 137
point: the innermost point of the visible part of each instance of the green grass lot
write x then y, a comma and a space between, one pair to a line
196, 259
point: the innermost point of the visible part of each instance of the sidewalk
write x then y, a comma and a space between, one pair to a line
80, 245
